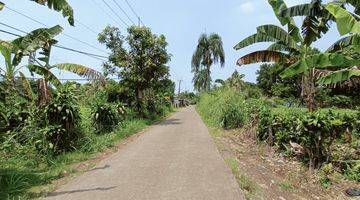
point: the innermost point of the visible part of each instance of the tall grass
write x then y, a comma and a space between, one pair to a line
227, 108
223, 108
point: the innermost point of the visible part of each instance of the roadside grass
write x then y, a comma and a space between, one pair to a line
248, 186
287, 186
27, 175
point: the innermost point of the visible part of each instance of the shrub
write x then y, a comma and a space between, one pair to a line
228, 108
154, 105
315, 132
232, 116
62, 120
115, 92
106, 116
353, 172
13, 113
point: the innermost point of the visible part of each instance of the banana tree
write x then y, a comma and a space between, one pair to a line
40, 39
337, 57
348, 24
14, 51
43, 68
292, 48
57, 5
291, 45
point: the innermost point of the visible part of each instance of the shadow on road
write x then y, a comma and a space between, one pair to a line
170, 122
100, 168
83, 190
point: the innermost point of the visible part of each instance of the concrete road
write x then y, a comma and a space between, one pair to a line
174, 160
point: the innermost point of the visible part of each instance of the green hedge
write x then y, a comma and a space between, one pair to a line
315, 132
325, 136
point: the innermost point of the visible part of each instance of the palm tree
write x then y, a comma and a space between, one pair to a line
200, 80
292, 48
236, 81
209, 51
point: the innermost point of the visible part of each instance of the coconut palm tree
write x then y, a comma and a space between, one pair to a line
209, 51
200, 80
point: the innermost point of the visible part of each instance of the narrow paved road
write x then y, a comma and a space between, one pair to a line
174, 160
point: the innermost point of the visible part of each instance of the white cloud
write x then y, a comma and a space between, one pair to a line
247, 7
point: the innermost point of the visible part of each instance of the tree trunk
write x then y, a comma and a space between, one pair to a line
309, 89
139, 97
208, 78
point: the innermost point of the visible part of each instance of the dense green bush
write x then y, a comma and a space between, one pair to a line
62, 120
189, 96
228, 108
154, 105
106, 116
223, 107
315, 132
13, 113
116, 92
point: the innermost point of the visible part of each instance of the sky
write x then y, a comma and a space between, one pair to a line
181, 21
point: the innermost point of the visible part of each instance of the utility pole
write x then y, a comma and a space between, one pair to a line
179, 87
139, 21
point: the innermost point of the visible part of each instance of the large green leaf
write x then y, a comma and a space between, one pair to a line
354, 3
308, 9
39, 38
280, 47
220, 81
82, 71
59, 5
338, 76
346, 22
353, 39
319, 61
5, 49
47, 74
26, 86
255, 38
293, 30
316, 21
263, 56
313, 28
277, 33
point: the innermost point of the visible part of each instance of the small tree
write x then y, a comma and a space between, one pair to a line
141, 65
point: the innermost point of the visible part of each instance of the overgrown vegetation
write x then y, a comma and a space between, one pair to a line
323, 135
46, 125
327, 136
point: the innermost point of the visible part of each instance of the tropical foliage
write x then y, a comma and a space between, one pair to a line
209, 51
295, 71
142, 64
46, 125
57, 5
293, 49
